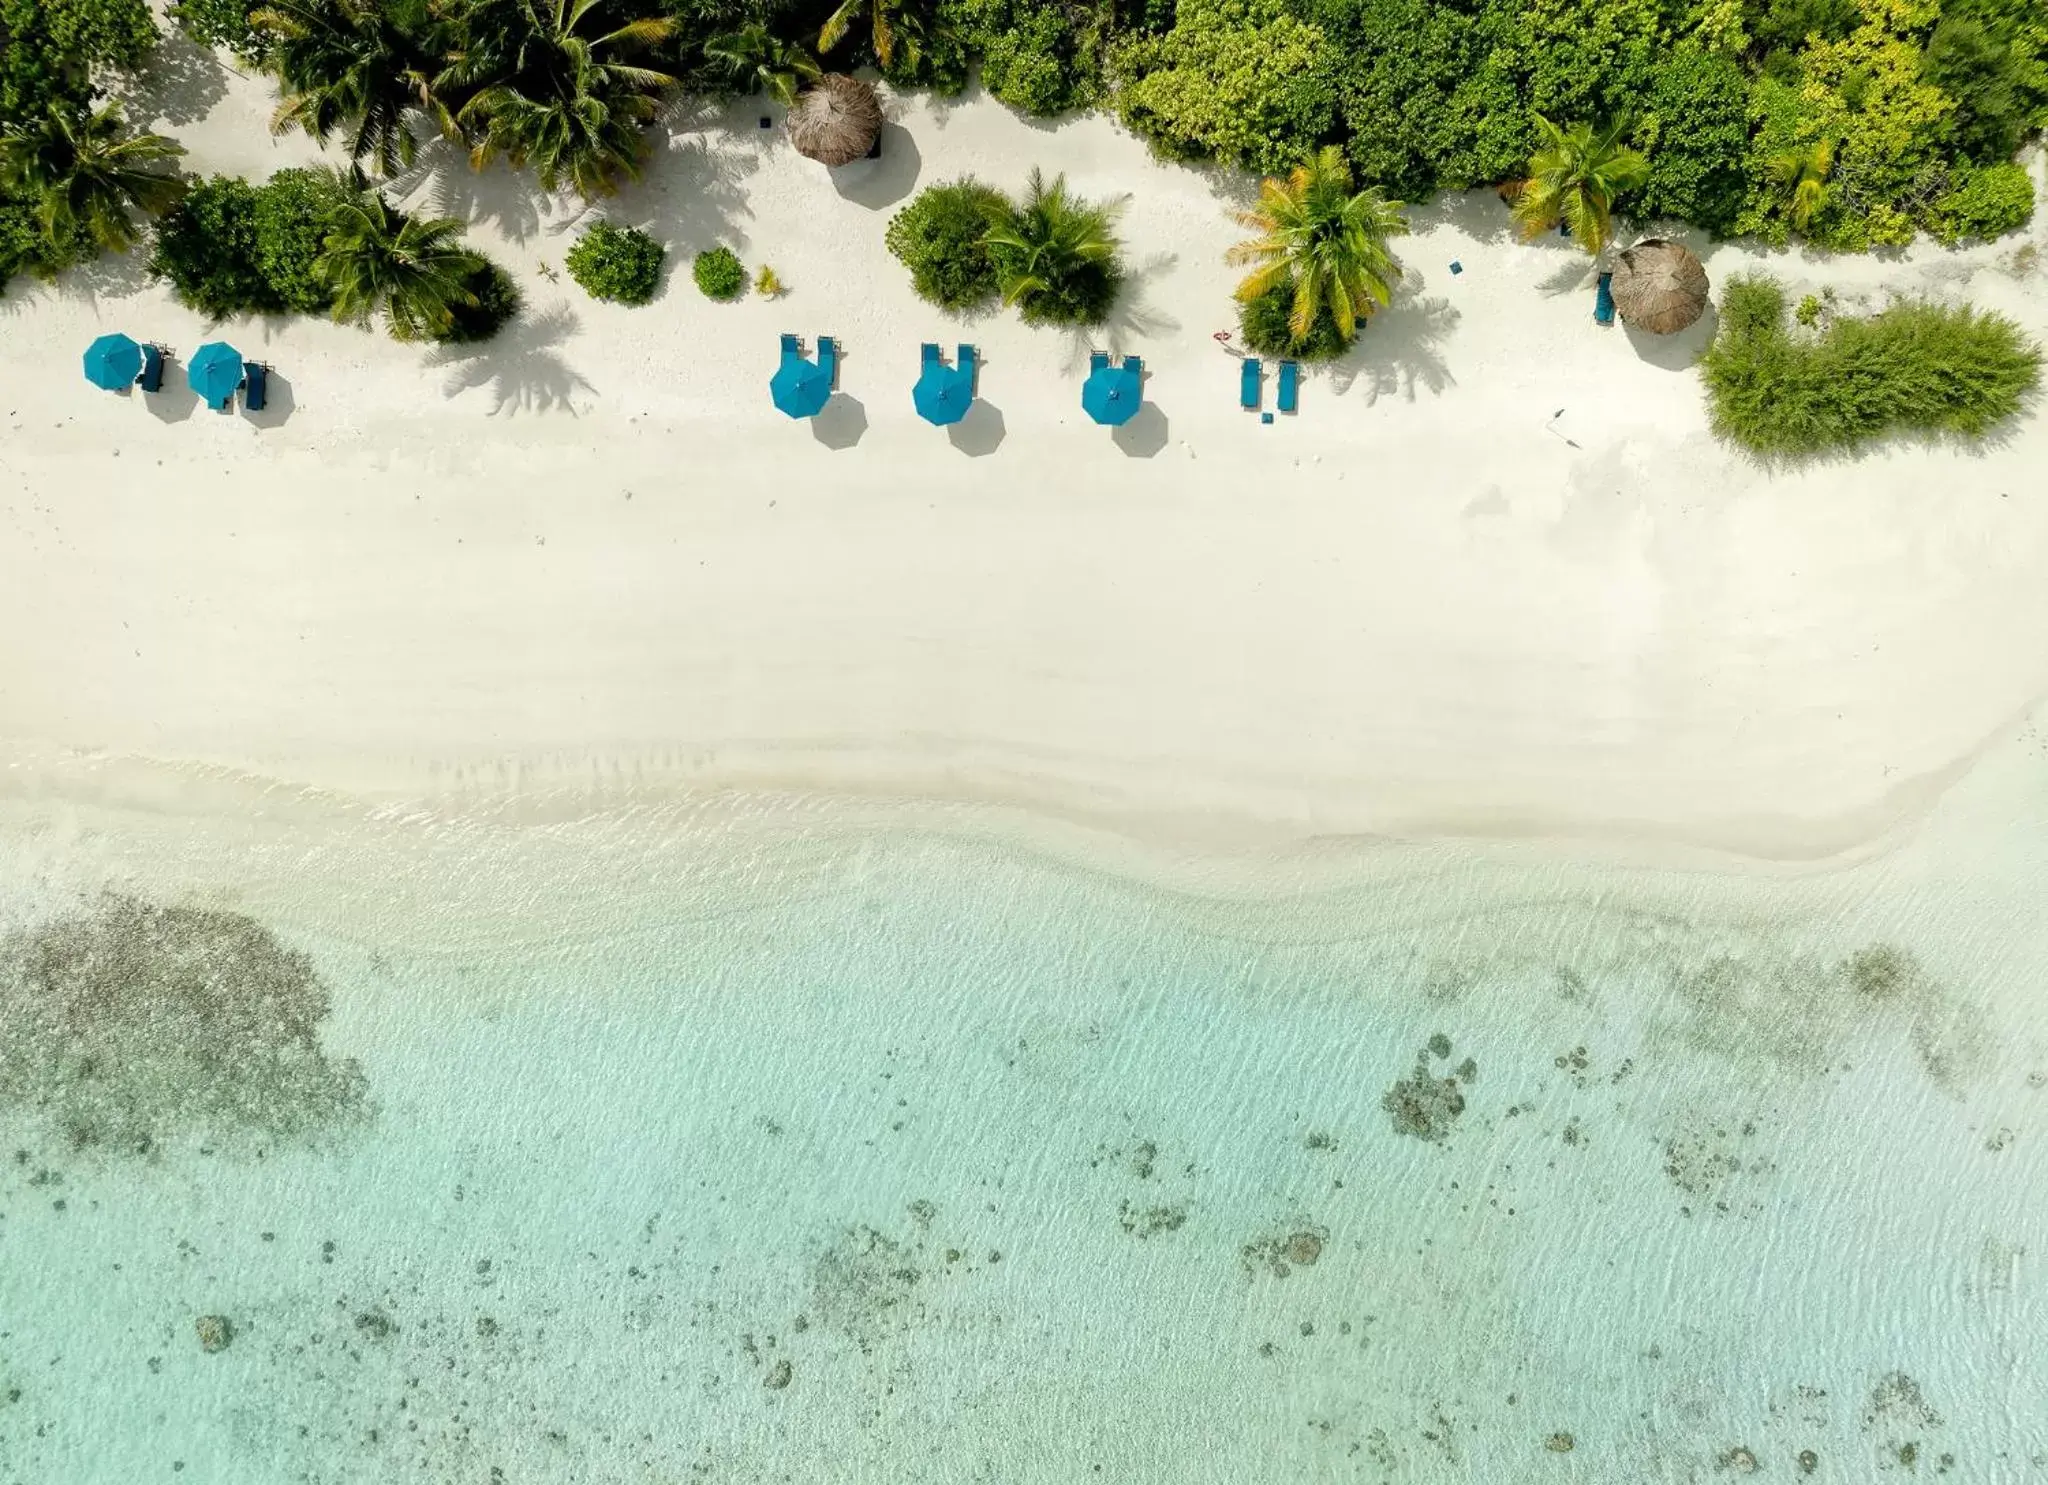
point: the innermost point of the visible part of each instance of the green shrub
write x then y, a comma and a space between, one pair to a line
1696, 135
1037, 57
941, 237
291, 214
1242, 81
1985, 201
1808, 313
206, 246
720, 274
1264, 326
1915, 368
497, 300
622, 264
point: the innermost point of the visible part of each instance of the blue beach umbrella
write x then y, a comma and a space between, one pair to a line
214, 372
943, 393
800, 388
113, 362
1112, 393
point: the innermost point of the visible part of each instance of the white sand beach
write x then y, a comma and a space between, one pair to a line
1495, 578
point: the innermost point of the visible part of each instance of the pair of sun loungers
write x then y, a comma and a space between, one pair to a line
1251, 377
968, 359
828, 353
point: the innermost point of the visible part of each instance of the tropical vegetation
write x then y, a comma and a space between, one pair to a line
1322, 248
1575, 177
321, 242
1056, 256
622, 264
719, 274
1914, 368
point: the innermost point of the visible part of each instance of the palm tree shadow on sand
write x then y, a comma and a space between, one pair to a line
521, 368
1401, 348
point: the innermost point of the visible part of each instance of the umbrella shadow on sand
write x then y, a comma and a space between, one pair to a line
1145, 434
981, 432
885, 180
174, 401
842, 424
1679, 351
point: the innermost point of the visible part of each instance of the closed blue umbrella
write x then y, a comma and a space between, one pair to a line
943, 393
800, 388
214, 372
113, 362
1112, 393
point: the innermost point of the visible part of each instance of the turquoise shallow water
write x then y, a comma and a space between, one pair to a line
870, 1155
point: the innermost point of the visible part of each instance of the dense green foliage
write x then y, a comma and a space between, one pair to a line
1056, 256
622, 264
491, 300
85, 175
70, 181
1325, 246
224, 23
1914, 368
231, 248
312, 242
942, 238
720, 274
1265, 324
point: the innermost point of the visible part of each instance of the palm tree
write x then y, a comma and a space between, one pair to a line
356, 67
1055, 256
1326, 240
415, 269
546, 93
755, 55
1574, 178
1805, 171
86, 174
890, 24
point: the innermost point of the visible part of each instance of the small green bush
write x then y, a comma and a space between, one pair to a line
290, 216
720, 274
941, 238
622, 264
1265, 325
1985, 201
1915, 368
1808, 313
206, 247
497, 300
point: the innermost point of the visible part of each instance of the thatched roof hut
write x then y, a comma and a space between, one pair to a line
836, 120
1659, 286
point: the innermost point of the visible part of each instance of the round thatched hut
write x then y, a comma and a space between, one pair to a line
1659, 286
836, 120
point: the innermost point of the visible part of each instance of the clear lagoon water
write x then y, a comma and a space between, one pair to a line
689, 1151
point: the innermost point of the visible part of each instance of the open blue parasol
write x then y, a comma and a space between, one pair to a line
214, 372
113, 362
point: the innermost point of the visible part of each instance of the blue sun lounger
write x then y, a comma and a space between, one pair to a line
929, 354
152, 378
1098, 361
968, 360
828, 359
1603, 301
1290, 386
792, 345
1249, 377
255, 386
